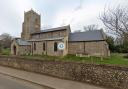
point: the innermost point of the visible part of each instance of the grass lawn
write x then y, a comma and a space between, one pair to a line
5, 51
114, 59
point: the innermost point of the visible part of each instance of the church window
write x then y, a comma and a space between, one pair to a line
55, 46
34, 46
43, 46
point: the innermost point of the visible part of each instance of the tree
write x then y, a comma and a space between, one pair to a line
77, 31
91, 27
6, 40
110, 41
116, 21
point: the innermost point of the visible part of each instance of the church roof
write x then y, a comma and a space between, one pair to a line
22, 42
53, 29
94, 35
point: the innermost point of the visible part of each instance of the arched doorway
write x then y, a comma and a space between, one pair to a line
14, 50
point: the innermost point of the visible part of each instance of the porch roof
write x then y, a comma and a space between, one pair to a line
22, 42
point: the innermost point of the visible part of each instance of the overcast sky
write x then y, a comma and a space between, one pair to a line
54, 13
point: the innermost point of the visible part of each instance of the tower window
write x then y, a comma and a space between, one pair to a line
43, 46
55, 47
34, 46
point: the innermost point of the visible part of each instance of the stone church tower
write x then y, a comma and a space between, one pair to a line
31, 24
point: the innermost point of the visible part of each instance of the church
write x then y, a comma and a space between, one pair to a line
59, 41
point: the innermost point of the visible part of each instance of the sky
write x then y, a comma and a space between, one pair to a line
54, 13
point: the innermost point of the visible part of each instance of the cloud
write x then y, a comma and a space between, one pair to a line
86, 13
77, 18
12, 15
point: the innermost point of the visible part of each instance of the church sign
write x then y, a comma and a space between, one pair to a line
61, 46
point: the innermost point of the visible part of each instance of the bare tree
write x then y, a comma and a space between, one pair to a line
116, 20
5, 40
91, 27
77, 31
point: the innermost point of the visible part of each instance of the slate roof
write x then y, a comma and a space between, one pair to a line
94, 35
22, 42
53, 29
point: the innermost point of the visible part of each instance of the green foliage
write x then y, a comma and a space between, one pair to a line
110, 41
121, 48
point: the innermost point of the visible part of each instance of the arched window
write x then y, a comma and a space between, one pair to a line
55, 46
34, 46
43, 46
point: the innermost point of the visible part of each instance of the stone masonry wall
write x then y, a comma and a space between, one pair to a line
103, 75
98, 48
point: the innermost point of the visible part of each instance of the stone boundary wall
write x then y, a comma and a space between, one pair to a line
104, 75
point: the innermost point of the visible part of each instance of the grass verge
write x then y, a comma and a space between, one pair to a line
114, 59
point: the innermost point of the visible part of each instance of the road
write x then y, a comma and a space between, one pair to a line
7, 82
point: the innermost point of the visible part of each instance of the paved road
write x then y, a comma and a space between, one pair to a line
7, 82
